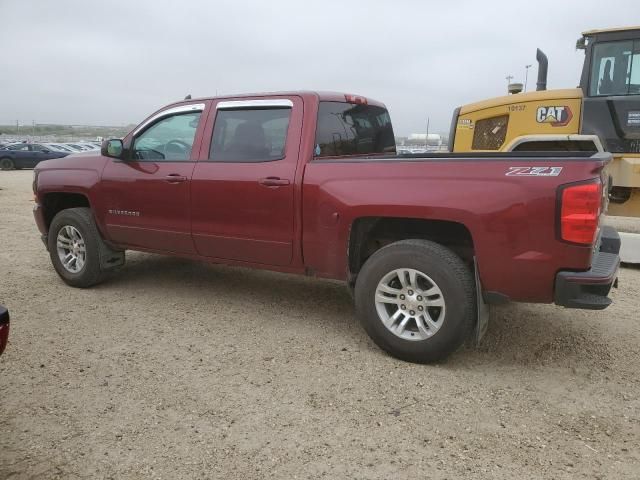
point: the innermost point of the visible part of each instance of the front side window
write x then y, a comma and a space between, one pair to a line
615, 68
250, 135
170, 139
353, 129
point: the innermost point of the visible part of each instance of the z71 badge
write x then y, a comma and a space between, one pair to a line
534, 171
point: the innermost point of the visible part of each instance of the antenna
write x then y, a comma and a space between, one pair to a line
188, 97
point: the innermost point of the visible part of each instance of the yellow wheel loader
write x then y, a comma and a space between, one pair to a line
601, 114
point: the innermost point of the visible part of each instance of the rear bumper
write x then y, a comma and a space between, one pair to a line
590, 289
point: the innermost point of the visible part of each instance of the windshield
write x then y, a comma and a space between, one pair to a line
615, 68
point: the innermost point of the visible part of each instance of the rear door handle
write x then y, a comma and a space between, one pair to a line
273, 182
175, 178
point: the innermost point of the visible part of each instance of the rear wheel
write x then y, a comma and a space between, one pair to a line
6, 164
416, 300
74, 247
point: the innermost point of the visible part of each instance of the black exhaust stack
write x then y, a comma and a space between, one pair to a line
543, 64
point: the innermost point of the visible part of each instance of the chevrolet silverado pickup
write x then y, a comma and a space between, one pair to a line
310, 183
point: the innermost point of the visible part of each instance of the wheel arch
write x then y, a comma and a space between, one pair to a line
368, 234
55, 202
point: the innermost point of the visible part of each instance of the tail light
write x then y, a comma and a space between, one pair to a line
580, 210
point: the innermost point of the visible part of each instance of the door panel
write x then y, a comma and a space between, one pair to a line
145, 207
146, 198
244, 210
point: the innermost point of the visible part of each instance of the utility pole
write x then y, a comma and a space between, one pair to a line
426, 139
526, 76
17, 127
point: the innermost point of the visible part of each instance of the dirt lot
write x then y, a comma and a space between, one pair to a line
176, 369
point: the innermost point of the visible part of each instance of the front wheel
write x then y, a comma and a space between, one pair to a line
74, 247
6, 164
416, 300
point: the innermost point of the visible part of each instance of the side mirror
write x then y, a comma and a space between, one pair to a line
46, 151
112, 148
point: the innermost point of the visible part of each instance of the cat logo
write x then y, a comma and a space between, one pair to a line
557, 116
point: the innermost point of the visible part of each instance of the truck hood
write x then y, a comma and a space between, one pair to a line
81, 160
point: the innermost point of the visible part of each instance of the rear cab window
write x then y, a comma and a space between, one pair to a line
346, 129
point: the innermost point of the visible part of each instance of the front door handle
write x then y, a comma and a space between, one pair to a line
175, 178
273, 182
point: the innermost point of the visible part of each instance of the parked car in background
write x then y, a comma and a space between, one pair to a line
89, 146
56, 147
76, 147
4, 328
26, 155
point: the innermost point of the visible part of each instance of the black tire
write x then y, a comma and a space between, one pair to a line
6, 164
454, 279
81, 219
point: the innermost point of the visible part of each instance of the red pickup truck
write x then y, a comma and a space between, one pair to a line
310, 183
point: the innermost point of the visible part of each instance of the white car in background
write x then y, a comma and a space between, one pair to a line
89, 146
76, 147
56, 147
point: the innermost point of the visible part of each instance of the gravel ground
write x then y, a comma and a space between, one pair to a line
176, 369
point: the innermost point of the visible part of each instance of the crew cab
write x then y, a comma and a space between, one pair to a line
310, 183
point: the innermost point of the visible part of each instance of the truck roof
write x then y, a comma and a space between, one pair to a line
322, 96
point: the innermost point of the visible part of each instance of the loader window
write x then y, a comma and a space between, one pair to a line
615, 69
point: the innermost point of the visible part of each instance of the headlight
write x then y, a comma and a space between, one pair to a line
34, 185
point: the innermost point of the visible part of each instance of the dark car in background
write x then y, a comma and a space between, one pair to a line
26, 155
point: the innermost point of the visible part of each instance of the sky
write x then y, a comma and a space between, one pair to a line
112, 62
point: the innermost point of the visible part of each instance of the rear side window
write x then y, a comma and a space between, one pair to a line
250, 134
19, 147
353, 129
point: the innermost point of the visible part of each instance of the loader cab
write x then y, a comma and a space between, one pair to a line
610, 83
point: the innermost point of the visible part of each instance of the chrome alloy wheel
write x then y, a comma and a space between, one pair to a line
71, 249
410, 304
